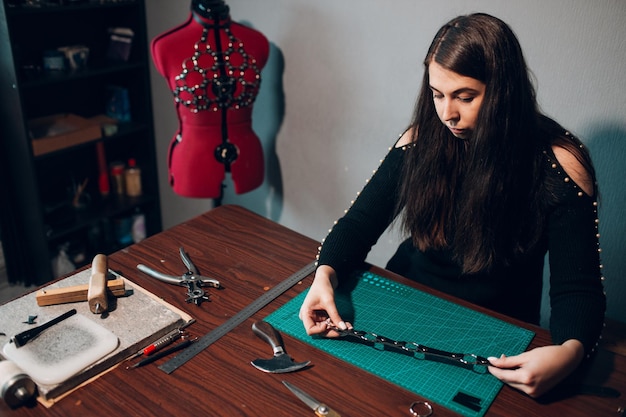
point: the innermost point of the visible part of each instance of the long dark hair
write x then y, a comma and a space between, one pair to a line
477, 197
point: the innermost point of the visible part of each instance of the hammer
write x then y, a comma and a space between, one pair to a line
281, 362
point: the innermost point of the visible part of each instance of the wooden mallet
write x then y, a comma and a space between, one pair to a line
91, 292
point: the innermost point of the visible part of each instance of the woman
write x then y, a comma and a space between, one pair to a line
484, 185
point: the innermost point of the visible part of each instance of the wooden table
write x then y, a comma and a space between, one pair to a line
250, 254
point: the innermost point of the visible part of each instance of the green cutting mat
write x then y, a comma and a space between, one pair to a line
376, 304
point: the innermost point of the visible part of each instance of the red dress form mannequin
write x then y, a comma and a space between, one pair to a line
212, 66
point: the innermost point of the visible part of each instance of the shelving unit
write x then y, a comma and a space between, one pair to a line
37, 213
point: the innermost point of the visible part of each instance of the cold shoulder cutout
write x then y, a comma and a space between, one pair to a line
574, 169
406, 138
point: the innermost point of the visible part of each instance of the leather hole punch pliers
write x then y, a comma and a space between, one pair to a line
190, 279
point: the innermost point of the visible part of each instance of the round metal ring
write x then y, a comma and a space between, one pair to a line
421, 409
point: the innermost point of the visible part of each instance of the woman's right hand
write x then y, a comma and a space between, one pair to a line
319, 304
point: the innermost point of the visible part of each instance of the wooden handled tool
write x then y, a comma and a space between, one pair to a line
97, 293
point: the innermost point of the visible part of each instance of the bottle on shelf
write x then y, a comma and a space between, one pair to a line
117, 175
132, 178
103, 177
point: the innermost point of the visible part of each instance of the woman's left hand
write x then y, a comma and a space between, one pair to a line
537, 371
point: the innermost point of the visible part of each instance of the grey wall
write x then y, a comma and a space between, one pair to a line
340, 86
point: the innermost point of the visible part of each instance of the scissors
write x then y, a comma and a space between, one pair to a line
321, 409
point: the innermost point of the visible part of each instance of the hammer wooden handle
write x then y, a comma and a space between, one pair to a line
97, 293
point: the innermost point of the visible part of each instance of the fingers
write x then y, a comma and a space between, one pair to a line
315, 313
519, 372
319, 304
310, 325
334, 316
507, 362
315, 327
505, 375
317, 319
521, 380
505, 369
515, 377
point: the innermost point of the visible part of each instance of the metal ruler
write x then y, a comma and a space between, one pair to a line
208, 339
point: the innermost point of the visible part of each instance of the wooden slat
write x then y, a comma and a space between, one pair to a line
76, 293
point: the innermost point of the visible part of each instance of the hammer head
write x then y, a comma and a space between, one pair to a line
281, 362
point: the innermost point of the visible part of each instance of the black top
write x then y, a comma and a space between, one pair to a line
570, 237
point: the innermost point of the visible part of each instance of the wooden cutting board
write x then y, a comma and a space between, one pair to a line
63, 350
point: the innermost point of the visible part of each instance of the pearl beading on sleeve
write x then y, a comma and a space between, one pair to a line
561, 173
